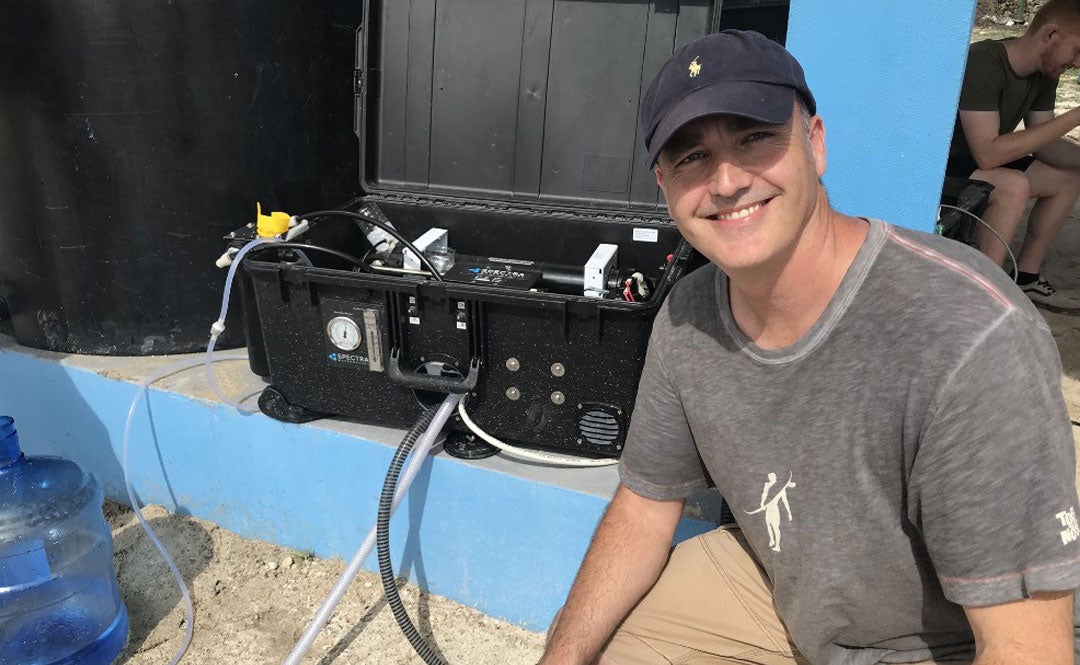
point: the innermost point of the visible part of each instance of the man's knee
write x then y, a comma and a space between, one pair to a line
1011, 187
1046, 181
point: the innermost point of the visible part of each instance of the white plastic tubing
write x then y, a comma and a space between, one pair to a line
218, 326
334, 597
189, 611
215, 330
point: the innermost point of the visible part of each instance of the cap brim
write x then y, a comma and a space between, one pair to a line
764, 102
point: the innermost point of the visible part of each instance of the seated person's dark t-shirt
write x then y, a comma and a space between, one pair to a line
990, 84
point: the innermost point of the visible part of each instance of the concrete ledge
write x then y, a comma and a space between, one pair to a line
502, 536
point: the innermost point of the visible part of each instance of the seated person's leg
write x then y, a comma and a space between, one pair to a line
712, 603
1056, 191
1004, 211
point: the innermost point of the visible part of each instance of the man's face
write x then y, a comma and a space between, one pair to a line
1061, 52
740, 191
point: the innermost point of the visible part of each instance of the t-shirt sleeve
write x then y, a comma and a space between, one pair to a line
984, 80
992, 487
660, 460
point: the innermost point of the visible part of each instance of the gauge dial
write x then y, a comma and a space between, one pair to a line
344, 333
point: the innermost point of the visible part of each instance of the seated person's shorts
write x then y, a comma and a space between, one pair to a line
711, 605
962, 166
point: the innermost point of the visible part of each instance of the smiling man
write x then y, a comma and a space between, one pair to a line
1005, 82
881, 408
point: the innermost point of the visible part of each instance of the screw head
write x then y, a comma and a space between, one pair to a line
513, 364
557, 397
513, 394
558, 369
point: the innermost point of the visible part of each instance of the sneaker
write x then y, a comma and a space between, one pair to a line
1043, 293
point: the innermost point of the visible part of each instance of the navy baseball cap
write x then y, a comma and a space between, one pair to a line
735, 72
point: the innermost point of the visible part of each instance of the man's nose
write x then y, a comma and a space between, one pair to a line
729, 179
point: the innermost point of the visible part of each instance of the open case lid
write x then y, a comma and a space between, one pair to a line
520, 103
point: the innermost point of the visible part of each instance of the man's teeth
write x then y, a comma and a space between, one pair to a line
739, 214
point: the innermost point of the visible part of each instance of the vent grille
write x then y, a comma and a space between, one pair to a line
599, 428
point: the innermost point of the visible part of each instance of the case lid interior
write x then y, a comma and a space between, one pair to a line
516, 102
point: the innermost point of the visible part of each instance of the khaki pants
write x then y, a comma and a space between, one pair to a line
711, 605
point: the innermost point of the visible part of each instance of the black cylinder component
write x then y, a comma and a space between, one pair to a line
136, 134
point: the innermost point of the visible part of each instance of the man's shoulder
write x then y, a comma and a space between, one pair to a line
694, 288
989, 52
985, 59
946, 280
692, 299
987, 46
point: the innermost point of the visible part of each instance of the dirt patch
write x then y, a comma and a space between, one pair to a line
253, 600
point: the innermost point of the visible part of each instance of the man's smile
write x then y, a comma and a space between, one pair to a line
737, 213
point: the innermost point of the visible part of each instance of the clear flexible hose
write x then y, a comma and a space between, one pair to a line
218, 326
1004, 243
189, 611
322, 616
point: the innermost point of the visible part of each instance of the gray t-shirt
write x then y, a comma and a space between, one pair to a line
909, 454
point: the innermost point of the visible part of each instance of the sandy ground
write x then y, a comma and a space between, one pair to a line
253, 600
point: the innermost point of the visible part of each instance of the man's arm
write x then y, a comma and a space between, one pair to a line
1062, 152
627, 553
991, 151
1034, 631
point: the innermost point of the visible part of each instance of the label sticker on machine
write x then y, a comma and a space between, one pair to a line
353, 335
646, 235
492, 272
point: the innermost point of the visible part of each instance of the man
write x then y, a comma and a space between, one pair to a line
893, 389
1005, 82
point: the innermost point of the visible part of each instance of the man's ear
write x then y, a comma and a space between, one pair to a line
1048, 32
817, 144
659, 177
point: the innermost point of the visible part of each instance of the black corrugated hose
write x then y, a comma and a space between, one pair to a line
382, 542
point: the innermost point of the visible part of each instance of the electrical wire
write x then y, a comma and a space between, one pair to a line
1016, 269
299, 246
367, 217
531, 455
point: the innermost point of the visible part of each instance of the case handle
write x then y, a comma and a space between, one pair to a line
441, 384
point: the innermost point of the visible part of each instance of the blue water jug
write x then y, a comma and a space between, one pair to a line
59, 602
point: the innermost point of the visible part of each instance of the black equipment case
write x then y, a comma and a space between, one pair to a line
513, 126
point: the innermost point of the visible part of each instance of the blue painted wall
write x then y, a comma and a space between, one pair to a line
505, 545
886, 76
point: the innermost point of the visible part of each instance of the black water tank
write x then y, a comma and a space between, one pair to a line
134, 135
769, 17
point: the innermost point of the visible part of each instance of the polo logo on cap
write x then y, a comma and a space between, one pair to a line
695, 67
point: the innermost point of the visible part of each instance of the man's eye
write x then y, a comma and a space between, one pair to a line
692, 157
754, 137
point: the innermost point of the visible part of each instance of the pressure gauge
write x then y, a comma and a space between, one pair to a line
344, 333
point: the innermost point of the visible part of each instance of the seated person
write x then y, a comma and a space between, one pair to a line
1007, 81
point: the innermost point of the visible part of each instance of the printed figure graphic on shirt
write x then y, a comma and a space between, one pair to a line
772, 508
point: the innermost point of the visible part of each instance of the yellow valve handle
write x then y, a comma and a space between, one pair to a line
268, 226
